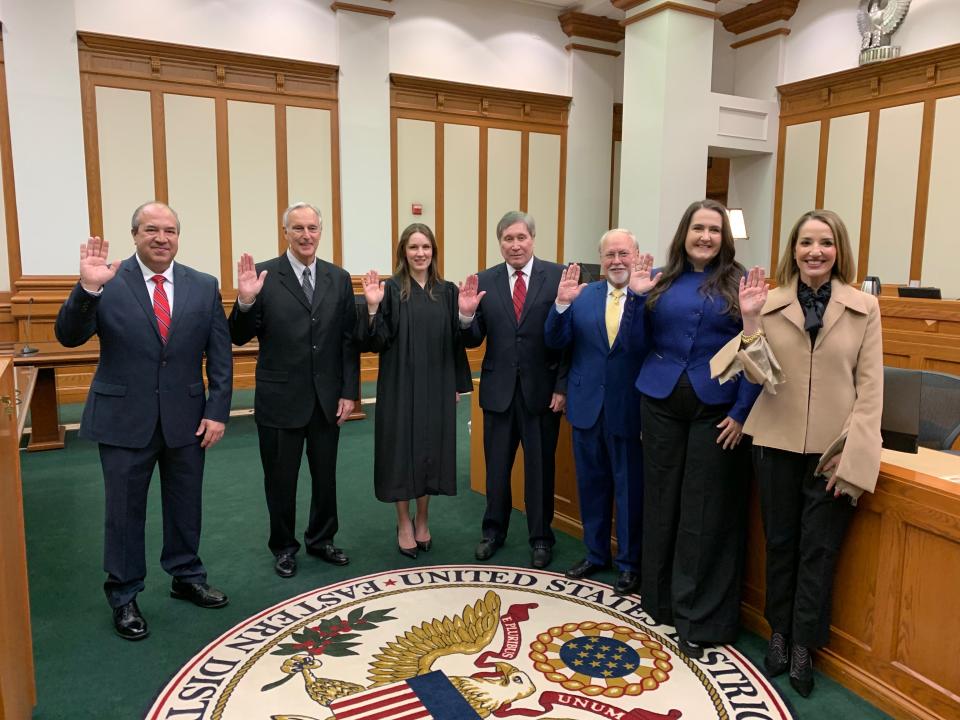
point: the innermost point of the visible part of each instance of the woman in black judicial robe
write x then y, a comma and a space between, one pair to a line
413, 323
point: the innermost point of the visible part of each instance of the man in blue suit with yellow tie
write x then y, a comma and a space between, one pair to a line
604, 408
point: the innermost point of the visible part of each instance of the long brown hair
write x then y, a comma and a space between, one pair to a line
844, 267
723, 279
401, 272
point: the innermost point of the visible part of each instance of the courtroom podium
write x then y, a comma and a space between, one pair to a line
17, 687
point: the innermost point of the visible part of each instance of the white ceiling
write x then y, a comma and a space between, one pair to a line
604, 7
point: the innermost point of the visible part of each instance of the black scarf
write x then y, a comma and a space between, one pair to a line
814, 303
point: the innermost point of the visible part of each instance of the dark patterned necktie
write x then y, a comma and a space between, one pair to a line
307, 285
161, 307
519, 294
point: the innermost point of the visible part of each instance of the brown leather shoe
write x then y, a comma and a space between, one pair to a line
200, 594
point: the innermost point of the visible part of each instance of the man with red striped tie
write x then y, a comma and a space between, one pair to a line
523, 383
156, 321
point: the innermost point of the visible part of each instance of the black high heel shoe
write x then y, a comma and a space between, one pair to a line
425, 545
410, 552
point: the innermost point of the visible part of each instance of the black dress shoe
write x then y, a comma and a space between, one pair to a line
128, 623
541, 555
408, 552
778, 655
627, 583
330, 553
486, 548
584, 569
691, 649
801, 670
286, 565
200, 594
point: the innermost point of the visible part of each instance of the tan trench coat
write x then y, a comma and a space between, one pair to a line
835, 388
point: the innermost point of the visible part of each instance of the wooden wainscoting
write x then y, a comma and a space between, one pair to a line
921, 334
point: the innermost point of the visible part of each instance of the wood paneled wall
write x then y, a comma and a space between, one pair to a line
468, 154
878, 144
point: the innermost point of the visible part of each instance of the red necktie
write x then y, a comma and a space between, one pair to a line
519, 294
161, 307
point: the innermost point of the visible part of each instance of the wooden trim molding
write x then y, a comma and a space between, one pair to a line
923, 188
460, 100
224, 205
111, 55
524, 170
482, 204
591, 49
617, 122
11, 221
630, 4
158, 127
592, 27
869, 178
363, 9
758, 14
761, 36
679, 7
919, 76
821, 190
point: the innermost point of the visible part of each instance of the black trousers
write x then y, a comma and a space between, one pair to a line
126, 478
281, 450
502, 433
694, 518
804, 526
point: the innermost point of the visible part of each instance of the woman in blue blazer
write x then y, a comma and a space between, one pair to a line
694, 490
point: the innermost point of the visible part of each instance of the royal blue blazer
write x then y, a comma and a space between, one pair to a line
680, 334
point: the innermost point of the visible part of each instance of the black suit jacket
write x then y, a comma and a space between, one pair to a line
139, 379
516, 350
307, 353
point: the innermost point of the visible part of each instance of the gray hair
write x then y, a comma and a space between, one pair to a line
515, 216
135, 219
608, 233
302, 206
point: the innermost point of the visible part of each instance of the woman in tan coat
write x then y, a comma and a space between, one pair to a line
814, 343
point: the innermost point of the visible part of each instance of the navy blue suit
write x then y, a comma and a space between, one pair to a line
604, 409
145, 404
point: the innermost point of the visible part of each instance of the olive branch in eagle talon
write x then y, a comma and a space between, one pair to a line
333, 637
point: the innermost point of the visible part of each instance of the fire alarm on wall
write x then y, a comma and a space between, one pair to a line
416, 209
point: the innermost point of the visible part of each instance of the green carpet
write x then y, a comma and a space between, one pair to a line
84, 671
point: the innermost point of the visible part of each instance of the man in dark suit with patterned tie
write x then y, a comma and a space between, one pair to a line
522, 382
302, 310
603, 407
156, 320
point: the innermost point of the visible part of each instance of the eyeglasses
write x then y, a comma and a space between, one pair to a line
618, 255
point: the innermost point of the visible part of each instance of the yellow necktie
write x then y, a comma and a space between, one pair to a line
613, 316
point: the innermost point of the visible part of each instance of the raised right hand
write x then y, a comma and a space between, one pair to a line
95, 271
373, 290
469, 299
640, 280
570, 286
249, 284
753, 294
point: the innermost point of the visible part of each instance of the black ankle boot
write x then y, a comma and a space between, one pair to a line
801, 670
778, 655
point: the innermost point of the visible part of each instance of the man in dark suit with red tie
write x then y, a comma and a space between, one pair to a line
303, 312
156, 320
522, 382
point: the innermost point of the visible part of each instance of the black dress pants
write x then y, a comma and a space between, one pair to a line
502, 433
804, 526
694, 518
126, 475
281, 450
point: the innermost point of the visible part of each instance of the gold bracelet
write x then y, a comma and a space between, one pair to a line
751, 338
